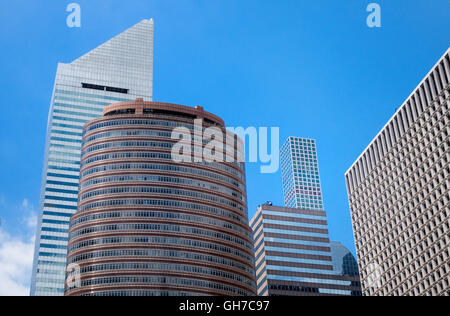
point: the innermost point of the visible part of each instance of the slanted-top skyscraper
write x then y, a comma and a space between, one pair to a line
119, 70
300, 174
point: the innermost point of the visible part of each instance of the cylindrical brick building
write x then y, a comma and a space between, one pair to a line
147, 225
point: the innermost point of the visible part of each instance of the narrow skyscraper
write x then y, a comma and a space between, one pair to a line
119, 70
399, 195
300, 174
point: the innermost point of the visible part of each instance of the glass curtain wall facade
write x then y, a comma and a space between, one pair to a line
345, 264
119, 70
148, 225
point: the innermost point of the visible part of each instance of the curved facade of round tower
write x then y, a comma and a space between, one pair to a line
149, 225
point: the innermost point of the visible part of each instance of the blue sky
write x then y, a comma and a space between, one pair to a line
313, 68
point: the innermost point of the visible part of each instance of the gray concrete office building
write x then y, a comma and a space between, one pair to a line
399, 195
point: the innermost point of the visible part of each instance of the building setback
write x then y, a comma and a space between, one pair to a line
118, 70
147, 225
399, 195
293, 256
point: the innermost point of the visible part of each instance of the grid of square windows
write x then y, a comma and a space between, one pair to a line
71, 107
300, 174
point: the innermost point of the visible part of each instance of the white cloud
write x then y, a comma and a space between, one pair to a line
30, 218
16, 254
16, 259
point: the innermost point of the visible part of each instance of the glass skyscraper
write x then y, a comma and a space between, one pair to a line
300, 174
399, 195
119, 70
344, 262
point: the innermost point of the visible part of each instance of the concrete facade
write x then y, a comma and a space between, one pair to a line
119, 70
399, 195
